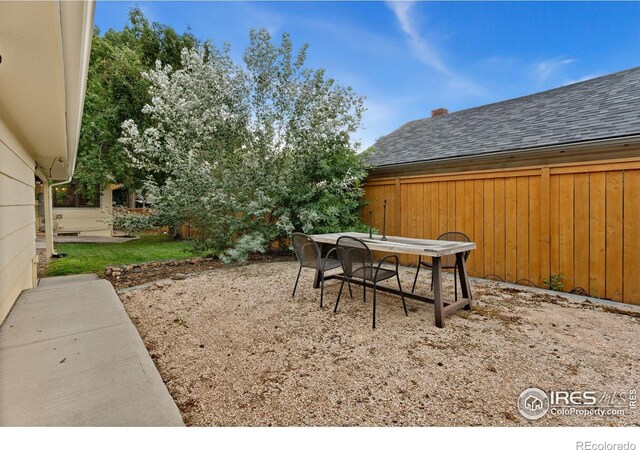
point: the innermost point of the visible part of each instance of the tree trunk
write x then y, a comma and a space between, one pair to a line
131, 199
175, 233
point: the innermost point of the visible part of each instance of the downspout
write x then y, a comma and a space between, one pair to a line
61, 182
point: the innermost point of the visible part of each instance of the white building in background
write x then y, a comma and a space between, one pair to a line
75, 214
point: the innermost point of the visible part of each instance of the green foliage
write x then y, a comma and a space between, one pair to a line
92, 258
116, 91
555, 282
132, 223
248, 154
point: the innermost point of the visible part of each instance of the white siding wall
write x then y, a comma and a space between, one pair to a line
17, 218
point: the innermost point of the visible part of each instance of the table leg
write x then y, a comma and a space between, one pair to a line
324, 248
464, 279
436, 273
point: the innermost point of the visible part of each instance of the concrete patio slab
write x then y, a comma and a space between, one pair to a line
40, 240
57, 281
70, 356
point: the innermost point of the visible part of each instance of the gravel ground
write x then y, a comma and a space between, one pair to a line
235, 350
43, 262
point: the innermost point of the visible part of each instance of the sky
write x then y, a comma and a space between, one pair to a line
408, 58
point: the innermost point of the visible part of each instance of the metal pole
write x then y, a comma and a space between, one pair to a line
384, 221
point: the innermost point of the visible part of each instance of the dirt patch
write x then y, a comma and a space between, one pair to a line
236, 350
136, 274
43, 262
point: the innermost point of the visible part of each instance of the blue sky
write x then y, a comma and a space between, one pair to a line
408, 58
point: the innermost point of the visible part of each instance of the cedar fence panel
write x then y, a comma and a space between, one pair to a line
578, 220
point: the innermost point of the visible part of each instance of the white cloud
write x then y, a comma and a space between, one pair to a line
255, 14
376, 120
350, 35
584, 78
547, 69
384, 113
425, 51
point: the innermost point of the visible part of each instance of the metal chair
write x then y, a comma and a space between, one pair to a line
309, 255
446, 262
357, 262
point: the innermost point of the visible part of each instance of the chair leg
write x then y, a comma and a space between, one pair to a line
350, 291
431, 279
374, 304
321, 288
417, 272
402, 295
364, 293
296, 285
335, 309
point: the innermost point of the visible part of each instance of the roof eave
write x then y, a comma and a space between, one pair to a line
591, 144
77, 32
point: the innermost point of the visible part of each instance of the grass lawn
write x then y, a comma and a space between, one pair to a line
88, 258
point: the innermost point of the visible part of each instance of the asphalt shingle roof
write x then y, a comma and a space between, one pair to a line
599, 108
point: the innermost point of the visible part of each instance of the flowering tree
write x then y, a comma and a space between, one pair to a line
116, 92
247, 154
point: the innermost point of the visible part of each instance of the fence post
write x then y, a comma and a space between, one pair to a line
398, 230
545, 239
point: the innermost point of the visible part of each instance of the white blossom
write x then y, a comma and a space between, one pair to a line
248, 154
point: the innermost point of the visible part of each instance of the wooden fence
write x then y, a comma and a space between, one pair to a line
138, 211
579, 220
185, 229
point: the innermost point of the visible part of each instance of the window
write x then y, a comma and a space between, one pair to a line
66, 196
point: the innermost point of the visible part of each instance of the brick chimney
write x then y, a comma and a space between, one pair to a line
439, 112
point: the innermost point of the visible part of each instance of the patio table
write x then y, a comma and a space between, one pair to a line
409, 246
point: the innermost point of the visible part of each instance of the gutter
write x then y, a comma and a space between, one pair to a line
87, 37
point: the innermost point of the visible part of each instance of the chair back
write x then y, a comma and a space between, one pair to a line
354, 255
306, 250
449, 261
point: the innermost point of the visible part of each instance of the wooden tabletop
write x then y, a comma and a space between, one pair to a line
395, 244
